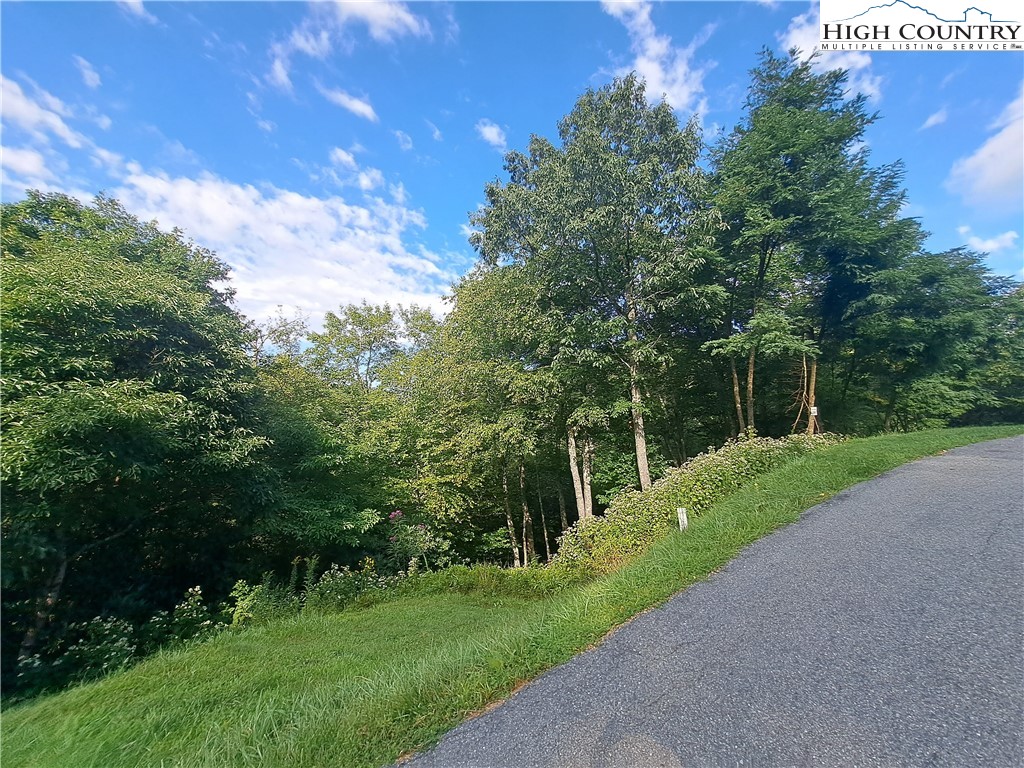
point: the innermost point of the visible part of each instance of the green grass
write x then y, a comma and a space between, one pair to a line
363, 687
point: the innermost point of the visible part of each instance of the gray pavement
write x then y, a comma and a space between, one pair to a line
886, 628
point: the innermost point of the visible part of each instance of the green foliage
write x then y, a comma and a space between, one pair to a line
636, 519
127, 413
494, 581
363, 688
340, 588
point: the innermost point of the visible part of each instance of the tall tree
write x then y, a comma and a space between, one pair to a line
808, 219
614, 228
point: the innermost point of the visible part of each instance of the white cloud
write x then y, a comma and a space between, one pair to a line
342, 158
385, 21
668, 71
1005, 241
936, 118
267, 126
319, 33
41, 117
435, 132
356, 106
90, 76
370, 179
303, 252
136, 9
992, 176
279, 72
491, 132
404, 140
24, 162
803, 34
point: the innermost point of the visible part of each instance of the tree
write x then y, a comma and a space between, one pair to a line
808, 220
128, 411
613, 229
926, 328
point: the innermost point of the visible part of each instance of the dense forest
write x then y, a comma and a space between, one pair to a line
639, 296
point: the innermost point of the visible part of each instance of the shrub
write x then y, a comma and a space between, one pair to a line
339, 588
261, 603
636, 519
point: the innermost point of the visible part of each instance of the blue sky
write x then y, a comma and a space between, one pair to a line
331, 152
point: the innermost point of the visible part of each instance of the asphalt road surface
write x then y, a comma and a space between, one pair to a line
886, 628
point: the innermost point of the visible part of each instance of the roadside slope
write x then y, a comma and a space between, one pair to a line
884, 628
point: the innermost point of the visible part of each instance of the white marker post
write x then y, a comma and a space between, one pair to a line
684, 521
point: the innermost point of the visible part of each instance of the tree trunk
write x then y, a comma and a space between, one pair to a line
508, 519
543, 524
588, 474
636, 398
803, 394
639, 434
528, 546
750, 391
44, 607
889, 411
736, 396
564, 518
812, 419
577, 483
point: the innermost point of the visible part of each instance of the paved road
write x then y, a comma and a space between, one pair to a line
886, 628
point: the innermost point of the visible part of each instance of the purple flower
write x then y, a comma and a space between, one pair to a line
396, 515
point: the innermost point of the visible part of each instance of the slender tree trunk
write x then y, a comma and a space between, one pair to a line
848, 378
543, 524
803, 394
750, 390
636, 398
577, 482
639, 433
889, 411
529, 550
812, 419
564, 518
736, 396
44, 607
588, 474
508, 519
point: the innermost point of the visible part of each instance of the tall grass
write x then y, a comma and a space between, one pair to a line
362, 688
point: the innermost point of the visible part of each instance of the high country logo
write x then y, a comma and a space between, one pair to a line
944, 25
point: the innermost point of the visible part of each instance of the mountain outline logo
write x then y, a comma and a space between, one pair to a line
910, 6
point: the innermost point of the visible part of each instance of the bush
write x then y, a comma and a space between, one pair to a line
636, 519
339, 588
261, 603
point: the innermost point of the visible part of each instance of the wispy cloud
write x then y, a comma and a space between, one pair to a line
404, 140
342, 158
936, 118
42, 117
90, 76
1003, 242
360, 107
136, 9
992, 177
492, 133
435, 132
668, 71
325, 29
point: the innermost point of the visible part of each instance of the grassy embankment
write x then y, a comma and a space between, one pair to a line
362, 687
